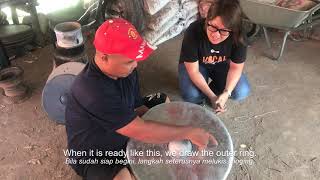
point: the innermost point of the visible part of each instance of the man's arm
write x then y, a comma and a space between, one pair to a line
159, 133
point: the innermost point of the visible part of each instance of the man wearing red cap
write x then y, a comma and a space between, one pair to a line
105, 106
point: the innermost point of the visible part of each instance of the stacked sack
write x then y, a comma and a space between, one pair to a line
168, 18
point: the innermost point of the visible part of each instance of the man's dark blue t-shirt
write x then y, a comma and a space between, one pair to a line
97, 107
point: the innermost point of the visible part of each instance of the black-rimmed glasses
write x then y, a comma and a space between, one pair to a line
223, 32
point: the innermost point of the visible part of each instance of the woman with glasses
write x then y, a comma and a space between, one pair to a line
214, 48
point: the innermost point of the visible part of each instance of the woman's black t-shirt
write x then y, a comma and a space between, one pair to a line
197, 47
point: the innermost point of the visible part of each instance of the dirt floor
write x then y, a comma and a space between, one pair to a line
279, 122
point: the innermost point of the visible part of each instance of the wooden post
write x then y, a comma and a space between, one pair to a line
4, 60
14, 15
35, 22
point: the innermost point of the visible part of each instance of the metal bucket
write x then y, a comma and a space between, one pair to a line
68, 34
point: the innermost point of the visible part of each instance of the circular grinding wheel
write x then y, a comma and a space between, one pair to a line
73, 68
55, 96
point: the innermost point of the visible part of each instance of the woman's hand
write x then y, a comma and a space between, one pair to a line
216, 104
220, 103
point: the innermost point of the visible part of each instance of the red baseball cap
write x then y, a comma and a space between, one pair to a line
118, 36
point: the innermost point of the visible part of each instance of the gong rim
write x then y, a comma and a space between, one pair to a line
156, 111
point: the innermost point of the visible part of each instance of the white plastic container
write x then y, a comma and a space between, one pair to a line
68, 34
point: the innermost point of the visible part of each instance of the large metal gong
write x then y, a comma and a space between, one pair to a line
67, 68
56, 91
55, 96
214, 166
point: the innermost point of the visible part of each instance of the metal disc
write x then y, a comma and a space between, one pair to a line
55, 96
215, 166
73, 68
